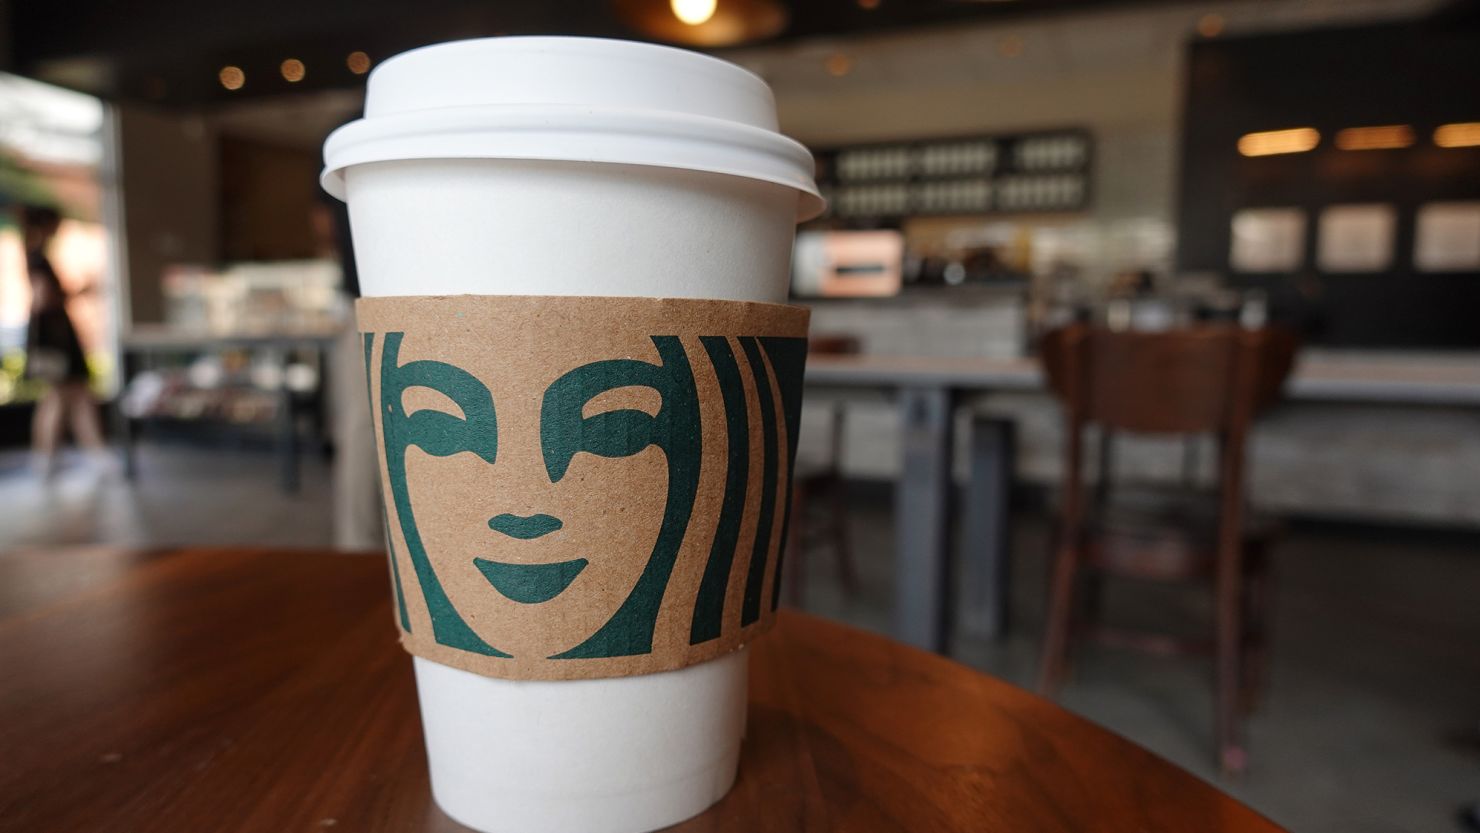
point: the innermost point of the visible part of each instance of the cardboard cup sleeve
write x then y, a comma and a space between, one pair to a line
580, 487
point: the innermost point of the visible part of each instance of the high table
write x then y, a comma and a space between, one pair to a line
239, 690
927, 392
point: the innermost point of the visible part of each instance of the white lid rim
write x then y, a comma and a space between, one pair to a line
810, 203
576, 134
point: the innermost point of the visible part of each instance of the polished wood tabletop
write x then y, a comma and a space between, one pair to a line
241, 690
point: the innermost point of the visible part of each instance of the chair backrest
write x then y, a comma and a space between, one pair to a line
833, 344
1205, 379
1193, 380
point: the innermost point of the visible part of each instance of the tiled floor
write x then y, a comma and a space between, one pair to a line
1376, 675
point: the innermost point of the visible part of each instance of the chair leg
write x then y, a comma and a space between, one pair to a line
1060, 621
1256, 636
1232, 756
796, 547
841, 539
1094, 596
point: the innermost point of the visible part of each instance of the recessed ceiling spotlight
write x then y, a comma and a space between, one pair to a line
292, 70
704, 23
693, 12
838, 65
1210, 25
232, 77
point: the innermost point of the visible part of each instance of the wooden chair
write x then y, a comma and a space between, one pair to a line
1202, 380
817, 482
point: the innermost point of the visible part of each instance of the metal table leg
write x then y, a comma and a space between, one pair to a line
922, 519
985, 544
287, 443
123, 424
287, 433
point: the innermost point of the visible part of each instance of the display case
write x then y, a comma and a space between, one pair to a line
243, 360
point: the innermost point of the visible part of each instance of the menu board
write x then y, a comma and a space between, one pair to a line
1046, 171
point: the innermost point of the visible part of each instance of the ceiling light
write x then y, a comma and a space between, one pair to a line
292, 70
1385, 137
1271, 142
358, 62
232, 78
868, 5
1210, 25
693, 12
1459, 135
838, 65
703, 23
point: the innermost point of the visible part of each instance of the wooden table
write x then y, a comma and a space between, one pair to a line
238, 690
927, 392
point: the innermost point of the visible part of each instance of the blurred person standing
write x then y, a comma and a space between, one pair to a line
53, 352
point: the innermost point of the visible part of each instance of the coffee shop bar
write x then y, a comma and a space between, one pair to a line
843, 415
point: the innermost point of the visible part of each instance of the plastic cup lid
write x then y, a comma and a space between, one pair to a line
572, 99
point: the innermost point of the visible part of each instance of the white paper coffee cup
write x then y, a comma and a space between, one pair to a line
573, 166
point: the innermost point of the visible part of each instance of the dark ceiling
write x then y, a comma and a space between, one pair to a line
170, 51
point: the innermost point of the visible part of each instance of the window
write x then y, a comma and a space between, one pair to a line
51, 152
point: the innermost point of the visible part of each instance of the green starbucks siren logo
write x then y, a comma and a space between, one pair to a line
762, 374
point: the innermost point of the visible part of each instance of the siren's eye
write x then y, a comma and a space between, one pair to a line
626, 398
418, 398
446, 410
608, 408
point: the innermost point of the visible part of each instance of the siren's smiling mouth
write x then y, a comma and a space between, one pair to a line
530, 583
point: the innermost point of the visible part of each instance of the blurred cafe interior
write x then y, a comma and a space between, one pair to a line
1144, 369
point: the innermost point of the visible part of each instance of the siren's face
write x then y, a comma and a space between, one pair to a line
528, 517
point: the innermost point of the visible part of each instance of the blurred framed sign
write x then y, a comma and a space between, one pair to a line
1015, 173
1268, 240
1448, 237
1356, 238
848, 264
